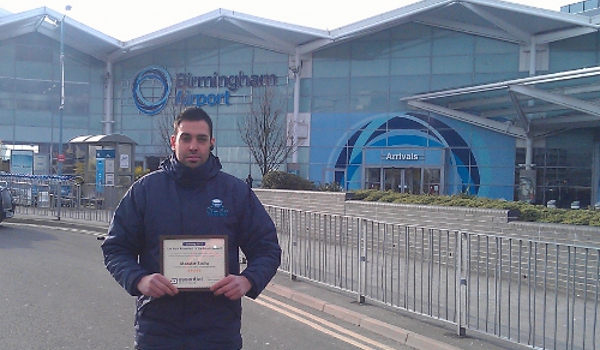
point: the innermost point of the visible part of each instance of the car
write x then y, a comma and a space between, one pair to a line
7, 204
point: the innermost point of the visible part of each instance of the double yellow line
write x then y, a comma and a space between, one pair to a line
321, 325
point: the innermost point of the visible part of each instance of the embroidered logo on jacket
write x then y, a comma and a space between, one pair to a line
216, 208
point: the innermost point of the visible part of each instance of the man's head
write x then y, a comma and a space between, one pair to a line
192, 138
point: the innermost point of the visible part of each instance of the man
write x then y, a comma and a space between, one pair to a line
179, 199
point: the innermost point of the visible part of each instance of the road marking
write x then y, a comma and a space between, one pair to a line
327, 327
71, 229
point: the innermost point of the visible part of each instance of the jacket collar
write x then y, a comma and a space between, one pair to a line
191, 177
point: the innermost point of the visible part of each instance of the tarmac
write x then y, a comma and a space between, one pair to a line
405, 328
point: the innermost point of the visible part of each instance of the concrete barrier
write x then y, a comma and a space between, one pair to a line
494, 221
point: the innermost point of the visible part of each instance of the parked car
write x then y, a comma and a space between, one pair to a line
7, 204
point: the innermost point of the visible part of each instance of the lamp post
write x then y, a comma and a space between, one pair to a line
61, 156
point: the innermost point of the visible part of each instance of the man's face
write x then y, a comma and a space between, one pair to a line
192, 143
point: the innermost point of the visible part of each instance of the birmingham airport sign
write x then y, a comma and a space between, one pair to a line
152, 88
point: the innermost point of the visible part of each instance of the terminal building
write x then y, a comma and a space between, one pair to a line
480, 97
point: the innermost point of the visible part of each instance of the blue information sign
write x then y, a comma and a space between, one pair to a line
101, 155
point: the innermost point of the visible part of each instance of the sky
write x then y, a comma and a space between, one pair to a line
128, 19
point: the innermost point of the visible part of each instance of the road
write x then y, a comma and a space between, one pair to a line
56, 294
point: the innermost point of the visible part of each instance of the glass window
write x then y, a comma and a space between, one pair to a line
568, 60
326, 69
369, 85
447, 81
482, 78
452, 64
229, 137
37, 70
7, 55
5, 105
573, 53
431, 181
326, 87
175, 57
209, 57
34, 104
371, 103
411, 31
409, 85
363, 68
563, 174
269, 68
141, 136
33, 53
411, 66
226, 121
261, 55
330, 104
370, 50
488, 46
496, 63
235, 53
447, 42
73, 122
373, 178
206, 43
335, 53
417, 47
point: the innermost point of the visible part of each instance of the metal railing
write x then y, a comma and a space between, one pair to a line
540, 294
62, 196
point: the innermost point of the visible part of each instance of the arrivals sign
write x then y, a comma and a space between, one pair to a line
409, 156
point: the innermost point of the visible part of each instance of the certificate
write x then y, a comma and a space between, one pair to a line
193, 263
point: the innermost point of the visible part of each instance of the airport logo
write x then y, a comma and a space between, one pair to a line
151, 89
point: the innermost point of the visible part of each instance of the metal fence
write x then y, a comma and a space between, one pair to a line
540, 294
62, 196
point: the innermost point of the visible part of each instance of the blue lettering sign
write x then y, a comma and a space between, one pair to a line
198, 100
151, 100
231, 82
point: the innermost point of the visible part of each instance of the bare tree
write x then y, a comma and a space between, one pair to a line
164, 123
264, 130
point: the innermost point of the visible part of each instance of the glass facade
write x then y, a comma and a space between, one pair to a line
30, 85
356, 91
360, 134
198, 58
564, 168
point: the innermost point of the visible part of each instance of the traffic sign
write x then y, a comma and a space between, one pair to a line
60, 157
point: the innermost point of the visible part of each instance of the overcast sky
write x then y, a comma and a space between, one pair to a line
128, 19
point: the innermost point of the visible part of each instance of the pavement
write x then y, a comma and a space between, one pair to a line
406, 328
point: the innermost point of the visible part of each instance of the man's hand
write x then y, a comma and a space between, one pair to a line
156, 286
233, 287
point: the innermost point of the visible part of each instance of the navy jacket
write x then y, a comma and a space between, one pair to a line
176, 200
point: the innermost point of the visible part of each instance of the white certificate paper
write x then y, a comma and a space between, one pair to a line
194, 263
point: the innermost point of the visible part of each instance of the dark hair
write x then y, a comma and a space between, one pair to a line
193, 114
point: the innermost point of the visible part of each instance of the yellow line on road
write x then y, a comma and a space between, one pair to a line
310, 319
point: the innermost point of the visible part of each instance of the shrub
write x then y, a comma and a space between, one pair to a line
330, 187
139, 172
527, 212
286, 181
